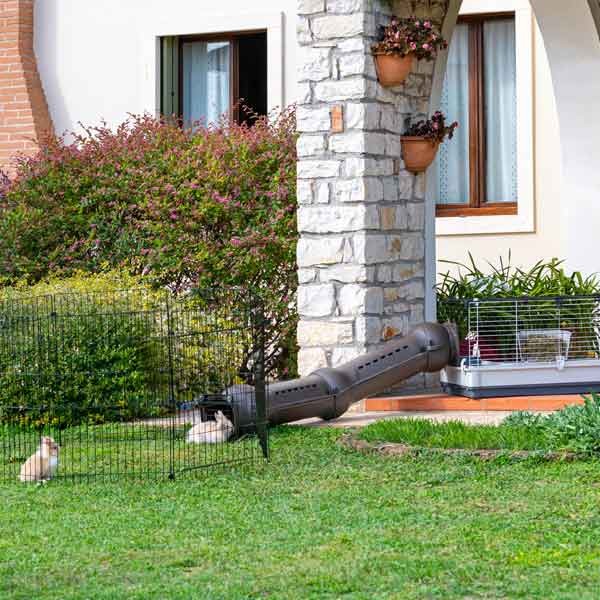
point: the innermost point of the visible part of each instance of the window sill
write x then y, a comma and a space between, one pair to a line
510, 221
467, 211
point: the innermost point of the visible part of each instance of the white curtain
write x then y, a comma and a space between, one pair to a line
451, 178
500, 110
206, 80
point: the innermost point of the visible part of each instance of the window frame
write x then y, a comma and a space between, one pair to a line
527, 37
477, 205
233, 38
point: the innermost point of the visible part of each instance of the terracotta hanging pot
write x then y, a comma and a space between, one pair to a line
418, 152
393, 69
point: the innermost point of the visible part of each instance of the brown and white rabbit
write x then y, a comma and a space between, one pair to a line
42, 465
211, 432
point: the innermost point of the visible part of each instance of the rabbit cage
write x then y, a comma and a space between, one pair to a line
118, 380
524, 346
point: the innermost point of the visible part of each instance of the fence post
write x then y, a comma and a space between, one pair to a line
260, 392
171, 371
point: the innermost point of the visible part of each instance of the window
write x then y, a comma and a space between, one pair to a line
476, 172
205, 77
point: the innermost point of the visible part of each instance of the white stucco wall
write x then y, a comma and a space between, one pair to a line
545, 241
98, 60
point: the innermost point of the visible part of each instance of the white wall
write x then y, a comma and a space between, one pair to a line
98, 59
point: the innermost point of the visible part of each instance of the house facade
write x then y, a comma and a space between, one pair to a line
518, 176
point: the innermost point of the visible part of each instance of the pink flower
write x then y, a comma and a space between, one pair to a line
235, 241
427, 24
426, 46
417, 23
413, 46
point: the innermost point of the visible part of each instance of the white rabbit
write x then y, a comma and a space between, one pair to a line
211, 432
41, 465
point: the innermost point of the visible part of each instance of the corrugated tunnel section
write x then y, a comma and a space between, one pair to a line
328, 393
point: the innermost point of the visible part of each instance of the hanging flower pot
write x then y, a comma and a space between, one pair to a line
421, 141
393, 69
418, 152
400, 43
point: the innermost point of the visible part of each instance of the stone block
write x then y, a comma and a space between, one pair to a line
370, 249
304, 192
355, 299
345, 6
312, 119
368, 330
378, 167
338, 26
360, 189
317, 169
310, 360
345, 89
316, 300
337, 219
311, 145
320, 251
324, 333
347, 273
339, 356
313, 64
310, 7
362, 116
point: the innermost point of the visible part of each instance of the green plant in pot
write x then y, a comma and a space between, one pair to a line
421, 141
399, 43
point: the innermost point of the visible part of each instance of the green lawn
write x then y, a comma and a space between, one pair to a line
319, 522
456, 434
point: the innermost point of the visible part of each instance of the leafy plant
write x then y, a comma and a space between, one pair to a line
97, 348
183, 208
575, 427
546, 279
434, 129
410, 36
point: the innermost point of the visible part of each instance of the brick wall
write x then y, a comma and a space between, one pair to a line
24, 116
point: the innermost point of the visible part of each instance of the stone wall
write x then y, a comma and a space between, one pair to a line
361, 215
24, 116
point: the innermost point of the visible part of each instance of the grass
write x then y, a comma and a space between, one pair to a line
456, 434
320, 521
111, 451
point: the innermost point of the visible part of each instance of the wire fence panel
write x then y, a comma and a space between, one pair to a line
130, 383
526, 330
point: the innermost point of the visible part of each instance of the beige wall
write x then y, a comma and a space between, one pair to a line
544, 241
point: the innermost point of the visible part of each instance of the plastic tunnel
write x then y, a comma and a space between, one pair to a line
328, 393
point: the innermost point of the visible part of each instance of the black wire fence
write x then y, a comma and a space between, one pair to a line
130, 383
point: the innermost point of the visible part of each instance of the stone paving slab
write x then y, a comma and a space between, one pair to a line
475, 417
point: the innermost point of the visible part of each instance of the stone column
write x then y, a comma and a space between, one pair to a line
361, 215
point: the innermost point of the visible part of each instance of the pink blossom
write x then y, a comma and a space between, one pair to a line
426, 46
235, 241
413, 46
427, 24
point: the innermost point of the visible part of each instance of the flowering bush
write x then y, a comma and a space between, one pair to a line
209, 207
410, 36
434, 129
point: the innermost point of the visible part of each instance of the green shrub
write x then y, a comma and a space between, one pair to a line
70, 352
96, 348
574, 427
205, 208
504, 280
